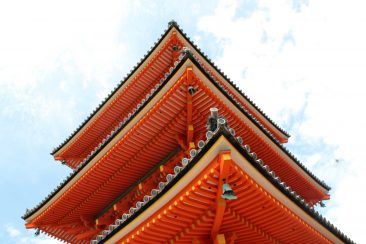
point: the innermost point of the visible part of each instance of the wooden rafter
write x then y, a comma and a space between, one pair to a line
100, 120
247, 223
208, 214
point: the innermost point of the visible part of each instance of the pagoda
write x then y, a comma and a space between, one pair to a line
177, 153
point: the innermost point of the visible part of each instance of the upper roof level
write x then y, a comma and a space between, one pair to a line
146, 76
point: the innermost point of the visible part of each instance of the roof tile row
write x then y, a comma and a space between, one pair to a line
179, 170
184, 55
261, 126
171, 24
105, 141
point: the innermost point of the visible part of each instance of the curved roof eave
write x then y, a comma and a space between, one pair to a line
171, 25
257, 163
184, 56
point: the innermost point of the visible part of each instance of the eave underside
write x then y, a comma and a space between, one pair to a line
134, 153
256, 216
132, 90
119, 104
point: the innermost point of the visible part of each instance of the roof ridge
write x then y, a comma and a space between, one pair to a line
171, 24
115, 89
186, 53
260, 125
211, 136
111, 135
175, 24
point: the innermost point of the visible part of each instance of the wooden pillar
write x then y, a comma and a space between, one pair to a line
190, 129
225, 164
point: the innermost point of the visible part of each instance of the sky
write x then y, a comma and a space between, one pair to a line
301, 61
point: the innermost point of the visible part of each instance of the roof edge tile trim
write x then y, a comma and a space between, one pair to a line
218, 70
119, 85
187, 163
171, 24
183, 57
257, 122
135, 185
186, 54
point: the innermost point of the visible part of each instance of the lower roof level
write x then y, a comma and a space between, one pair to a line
191, 207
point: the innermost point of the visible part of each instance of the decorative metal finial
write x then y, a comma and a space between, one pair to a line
172, 22
212, 120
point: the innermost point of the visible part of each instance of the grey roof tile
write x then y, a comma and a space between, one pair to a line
223, 129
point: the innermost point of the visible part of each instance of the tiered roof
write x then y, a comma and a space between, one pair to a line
259, 215
145, 75
133, 140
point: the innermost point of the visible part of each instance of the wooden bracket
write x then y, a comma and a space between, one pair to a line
181, 142
105, 219
121, 206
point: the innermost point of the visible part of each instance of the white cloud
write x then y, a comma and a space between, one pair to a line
12, 232
53, 52
18, 237
305, 68
309, 60
42, 39
56, 61
38, 240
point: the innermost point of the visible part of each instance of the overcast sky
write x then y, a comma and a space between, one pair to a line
302, 62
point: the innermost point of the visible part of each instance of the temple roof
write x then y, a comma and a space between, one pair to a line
174, 25
187, 164
184, 56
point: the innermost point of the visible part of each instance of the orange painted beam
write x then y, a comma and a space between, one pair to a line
219, 215
180, 140
30, 226
225, 164
190, 130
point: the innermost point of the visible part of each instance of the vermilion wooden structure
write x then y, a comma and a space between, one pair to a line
147, 169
